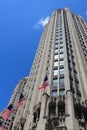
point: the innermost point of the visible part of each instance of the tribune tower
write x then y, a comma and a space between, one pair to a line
62, 56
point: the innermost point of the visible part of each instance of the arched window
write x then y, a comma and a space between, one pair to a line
52, 109
34, 117
78, 111
61, 108
38, 113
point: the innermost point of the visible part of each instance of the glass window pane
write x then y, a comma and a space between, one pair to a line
62, 92
55, 72
61, 42
56, 63
61, 82
56, 51
61, 49
54, 93
56, 46
56, 57
61, 63
55, 83
61, 71
61, 55
61, 38
56, 39
61, 45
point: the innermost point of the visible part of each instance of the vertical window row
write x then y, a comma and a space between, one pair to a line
58, 65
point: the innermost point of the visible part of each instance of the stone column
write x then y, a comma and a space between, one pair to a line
42, 120
69, 111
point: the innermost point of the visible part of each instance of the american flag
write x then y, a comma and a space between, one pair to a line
1, 127
22, 99
7, 112
45, 84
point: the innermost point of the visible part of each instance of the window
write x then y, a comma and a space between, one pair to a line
34, 117
56, 39
56, 46
56, 51
54, 93
61, 49
61, 55
61, 45
55, 63
52, 109
61, 30
56, 42
62, 92
57, 35
55, 72
61, 71
56, 57
55, 83
61, 63
61, 38
61, 42
61, 82
61, 35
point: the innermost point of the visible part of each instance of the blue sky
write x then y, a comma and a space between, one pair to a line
21, 25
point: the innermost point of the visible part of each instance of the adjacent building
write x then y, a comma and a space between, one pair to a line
14, 100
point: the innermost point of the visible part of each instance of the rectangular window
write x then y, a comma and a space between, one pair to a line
56, 46
61, 35
56, 51
55, 81
55, 72
61, 38
61, 63
61, 49
56, 42
61, 82
56, 57
54, 93
62, 92
57, 35
60, 28
61, 42
61, 55
61, 45
56, 64
62, 71
56, 39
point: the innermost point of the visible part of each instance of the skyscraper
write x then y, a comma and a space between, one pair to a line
20, 87
62, 57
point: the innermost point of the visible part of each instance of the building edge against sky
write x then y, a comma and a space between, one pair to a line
62, 56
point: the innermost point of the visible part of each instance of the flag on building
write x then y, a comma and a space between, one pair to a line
45, 84
22, 99
7, 112
1, 127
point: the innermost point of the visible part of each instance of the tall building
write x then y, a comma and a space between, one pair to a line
62, 56
20, 88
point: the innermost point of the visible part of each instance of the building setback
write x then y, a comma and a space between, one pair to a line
62, 56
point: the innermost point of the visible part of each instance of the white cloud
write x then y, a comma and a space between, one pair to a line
42, 22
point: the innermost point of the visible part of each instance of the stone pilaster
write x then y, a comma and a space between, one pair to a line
42, 120
69, 108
